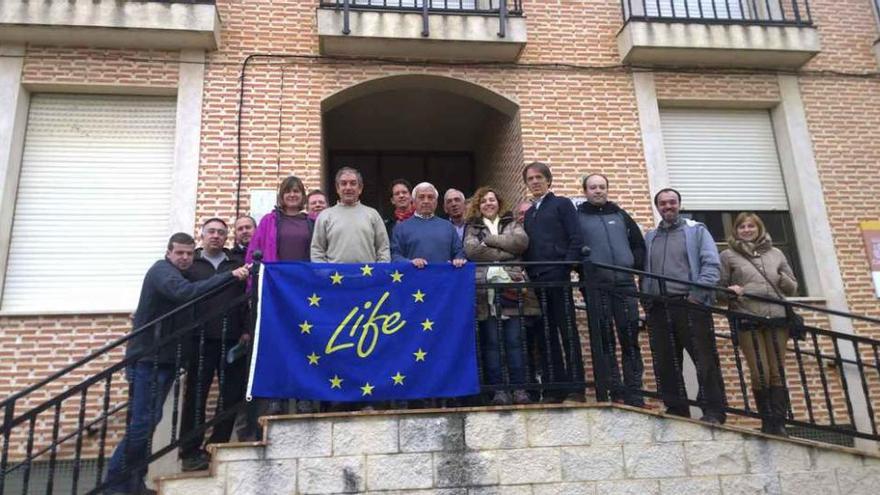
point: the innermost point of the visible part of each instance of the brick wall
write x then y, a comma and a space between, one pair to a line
501, 158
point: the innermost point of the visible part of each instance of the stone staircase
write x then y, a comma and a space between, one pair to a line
539, 450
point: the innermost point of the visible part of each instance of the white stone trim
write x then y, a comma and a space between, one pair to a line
14, 100
652, 135
809, 213
187, 141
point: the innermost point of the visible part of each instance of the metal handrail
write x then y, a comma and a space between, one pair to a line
499, 8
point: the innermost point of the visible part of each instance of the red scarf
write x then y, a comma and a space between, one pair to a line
400, 216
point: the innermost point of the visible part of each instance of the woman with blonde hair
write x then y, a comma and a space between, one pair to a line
752, 266
491, 234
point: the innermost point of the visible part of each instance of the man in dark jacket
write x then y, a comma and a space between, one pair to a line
153, 370
614, 238
554, 235
244, 229
211, 344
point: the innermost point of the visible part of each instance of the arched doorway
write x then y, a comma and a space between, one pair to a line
447, 131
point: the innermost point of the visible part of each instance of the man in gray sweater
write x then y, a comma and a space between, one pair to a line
683, 249
350, 232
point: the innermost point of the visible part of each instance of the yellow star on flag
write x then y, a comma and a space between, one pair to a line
398, 378
367, 389
419, 296
420, 354
396, 276
305, 327
314, 300
313, 358
427, 325
336, 382
336, 278
367, 271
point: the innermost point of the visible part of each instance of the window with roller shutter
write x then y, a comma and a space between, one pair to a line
724, 162
92, 205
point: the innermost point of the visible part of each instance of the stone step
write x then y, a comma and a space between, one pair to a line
539, 449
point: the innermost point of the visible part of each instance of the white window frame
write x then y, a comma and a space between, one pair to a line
187, 141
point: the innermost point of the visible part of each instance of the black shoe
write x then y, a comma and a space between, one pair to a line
142, 491
198, 462
712, 420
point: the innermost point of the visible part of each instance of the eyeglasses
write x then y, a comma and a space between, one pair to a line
216, 231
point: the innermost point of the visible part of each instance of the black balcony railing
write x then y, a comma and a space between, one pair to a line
530, 336
498, 8
760, 12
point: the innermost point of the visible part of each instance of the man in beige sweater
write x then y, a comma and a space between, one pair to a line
350, 232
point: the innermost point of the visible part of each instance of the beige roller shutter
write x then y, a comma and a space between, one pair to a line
723, 159
92, 207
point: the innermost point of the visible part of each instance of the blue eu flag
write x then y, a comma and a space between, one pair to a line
359, 332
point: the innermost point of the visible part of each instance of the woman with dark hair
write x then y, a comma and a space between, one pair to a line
491, 234
285, 233
752, 266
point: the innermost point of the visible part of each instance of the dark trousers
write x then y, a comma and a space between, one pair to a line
675, 328
622, 311
147, 389
565, 364
195, 397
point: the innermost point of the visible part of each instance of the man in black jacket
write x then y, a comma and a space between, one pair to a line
152, 371
244, 230
211, 344
554, 235
614, 238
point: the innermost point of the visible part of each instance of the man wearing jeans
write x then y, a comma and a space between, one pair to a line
152, 372
684, 250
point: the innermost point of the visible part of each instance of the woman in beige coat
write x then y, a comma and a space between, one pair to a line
752, 266
492, 234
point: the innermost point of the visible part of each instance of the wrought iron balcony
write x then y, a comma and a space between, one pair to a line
466, 29
724, 33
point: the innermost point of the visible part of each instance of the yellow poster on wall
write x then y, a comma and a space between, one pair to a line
871, 235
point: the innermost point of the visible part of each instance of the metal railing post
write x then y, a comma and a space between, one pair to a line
426, 30
502, 19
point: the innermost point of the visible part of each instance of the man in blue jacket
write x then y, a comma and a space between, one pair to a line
152, 372
683, 249
554, 235
614, 238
